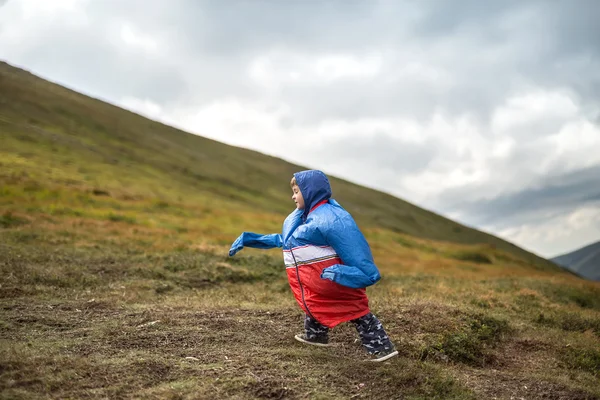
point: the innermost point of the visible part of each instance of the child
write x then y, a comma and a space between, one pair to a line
328, 263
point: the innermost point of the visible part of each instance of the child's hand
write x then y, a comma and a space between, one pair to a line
325, 274
237, 245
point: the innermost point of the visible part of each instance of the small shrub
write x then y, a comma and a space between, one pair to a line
59, 211
463, 347
32, 186
161, 205
470, 346
582, 359
163, 288
473, 256
527, 301
150, 273
545, 320
585, 297
100, 192
569, 321
404, 242
175, 267
481, 303
25, 237
194, 279
489, 329
8, 220
576, 322
121, 218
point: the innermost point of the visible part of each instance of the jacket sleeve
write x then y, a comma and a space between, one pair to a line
291, 223
255, 240
358, 269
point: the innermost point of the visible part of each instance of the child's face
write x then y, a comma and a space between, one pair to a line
297, 197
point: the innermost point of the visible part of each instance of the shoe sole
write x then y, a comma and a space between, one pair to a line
298, 338
387, 357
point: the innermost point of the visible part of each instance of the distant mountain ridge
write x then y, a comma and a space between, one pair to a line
585, 261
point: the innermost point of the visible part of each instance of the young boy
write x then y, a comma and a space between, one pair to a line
328, 263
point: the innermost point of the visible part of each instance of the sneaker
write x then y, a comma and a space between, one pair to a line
318, 341
383, 355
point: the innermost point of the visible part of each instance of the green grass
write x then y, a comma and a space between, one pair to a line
79, 320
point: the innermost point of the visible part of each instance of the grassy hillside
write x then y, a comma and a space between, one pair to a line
115, 280
94, 145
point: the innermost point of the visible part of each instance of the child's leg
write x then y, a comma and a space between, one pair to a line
316, 334
373, 336
314, 329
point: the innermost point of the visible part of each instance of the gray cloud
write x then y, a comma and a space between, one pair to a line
553, 195
486, 52
381, 151
85, 59
472, 43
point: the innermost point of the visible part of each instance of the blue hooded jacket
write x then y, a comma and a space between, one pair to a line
326, 226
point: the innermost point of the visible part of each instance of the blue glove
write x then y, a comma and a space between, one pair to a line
255, 240
327, 275
237, 245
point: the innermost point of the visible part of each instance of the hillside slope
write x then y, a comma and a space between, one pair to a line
55, 135
584, 262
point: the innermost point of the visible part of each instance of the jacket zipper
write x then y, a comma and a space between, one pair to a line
300, 284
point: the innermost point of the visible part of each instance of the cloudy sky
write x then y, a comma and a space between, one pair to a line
486, 112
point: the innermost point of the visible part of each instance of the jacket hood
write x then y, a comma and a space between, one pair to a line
315, 188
